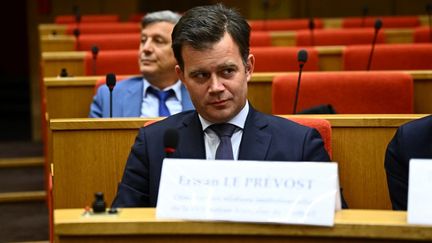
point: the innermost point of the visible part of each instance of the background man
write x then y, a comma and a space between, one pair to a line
158, 92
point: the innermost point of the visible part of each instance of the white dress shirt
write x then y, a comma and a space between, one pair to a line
150, 102
211, 139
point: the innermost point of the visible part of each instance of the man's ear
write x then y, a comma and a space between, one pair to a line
180, 73
250, 66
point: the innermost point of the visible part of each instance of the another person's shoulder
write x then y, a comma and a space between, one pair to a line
281, 124
421, 123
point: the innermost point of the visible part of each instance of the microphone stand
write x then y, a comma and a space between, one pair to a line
378, 24
298, 89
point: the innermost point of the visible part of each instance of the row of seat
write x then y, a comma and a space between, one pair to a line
268, 59
324, 37
268, 24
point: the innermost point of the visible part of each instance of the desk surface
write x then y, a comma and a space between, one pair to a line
366, 224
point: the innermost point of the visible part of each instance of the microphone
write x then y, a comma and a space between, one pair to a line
63, 73
365, 11
266, 7
170, 140
77, 33
110, 82
429, 11
302, 57
311, 26
377, 26
94, 51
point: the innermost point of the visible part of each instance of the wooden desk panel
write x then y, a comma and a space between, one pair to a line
259, 94
53, 62
89, 155
140, 224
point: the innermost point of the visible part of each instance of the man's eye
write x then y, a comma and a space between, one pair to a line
228, 72
201, 75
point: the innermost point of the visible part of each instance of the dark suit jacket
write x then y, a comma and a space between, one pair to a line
412, 140
264, 138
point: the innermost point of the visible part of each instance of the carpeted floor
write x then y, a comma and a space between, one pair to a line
24, 221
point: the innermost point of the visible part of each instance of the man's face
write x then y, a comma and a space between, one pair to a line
155, 55
216, 79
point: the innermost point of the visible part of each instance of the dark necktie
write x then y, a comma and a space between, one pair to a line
224, 132
162, 96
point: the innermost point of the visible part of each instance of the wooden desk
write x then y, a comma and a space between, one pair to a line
89, 155
140, 224
71, 97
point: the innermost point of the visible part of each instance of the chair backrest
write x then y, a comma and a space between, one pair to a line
104, 28
282, 59
115, 61
117, 41
347, 92
283, 24
260, 38
388, 22
389, 57
104, 18
331, 37
422, 35
322, 126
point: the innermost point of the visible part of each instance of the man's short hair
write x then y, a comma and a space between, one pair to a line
202, 26
160, 16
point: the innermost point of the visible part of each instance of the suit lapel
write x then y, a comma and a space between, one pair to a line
256, 140
191, 144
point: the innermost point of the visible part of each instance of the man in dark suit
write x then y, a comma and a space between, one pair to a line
412, 140
211, 45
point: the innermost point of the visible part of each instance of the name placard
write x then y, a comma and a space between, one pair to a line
420, 191
249, 191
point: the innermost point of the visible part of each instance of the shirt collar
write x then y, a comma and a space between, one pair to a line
239, 120
176, 87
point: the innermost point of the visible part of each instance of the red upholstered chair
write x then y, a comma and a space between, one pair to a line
260, 38
115, 61
389, 57
347, 92
106, 18
331, 37
388, 22
321, 125
283, 24
422, 34
282, 59
104, 28
118, 41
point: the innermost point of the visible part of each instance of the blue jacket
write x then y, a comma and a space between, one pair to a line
127, 99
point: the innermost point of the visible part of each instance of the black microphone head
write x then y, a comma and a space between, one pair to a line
378, 24
429, 8
110, 80
63, 73
94, 51
265, 4
311, 24
76, 32
170, 140
302, 56
365, 10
